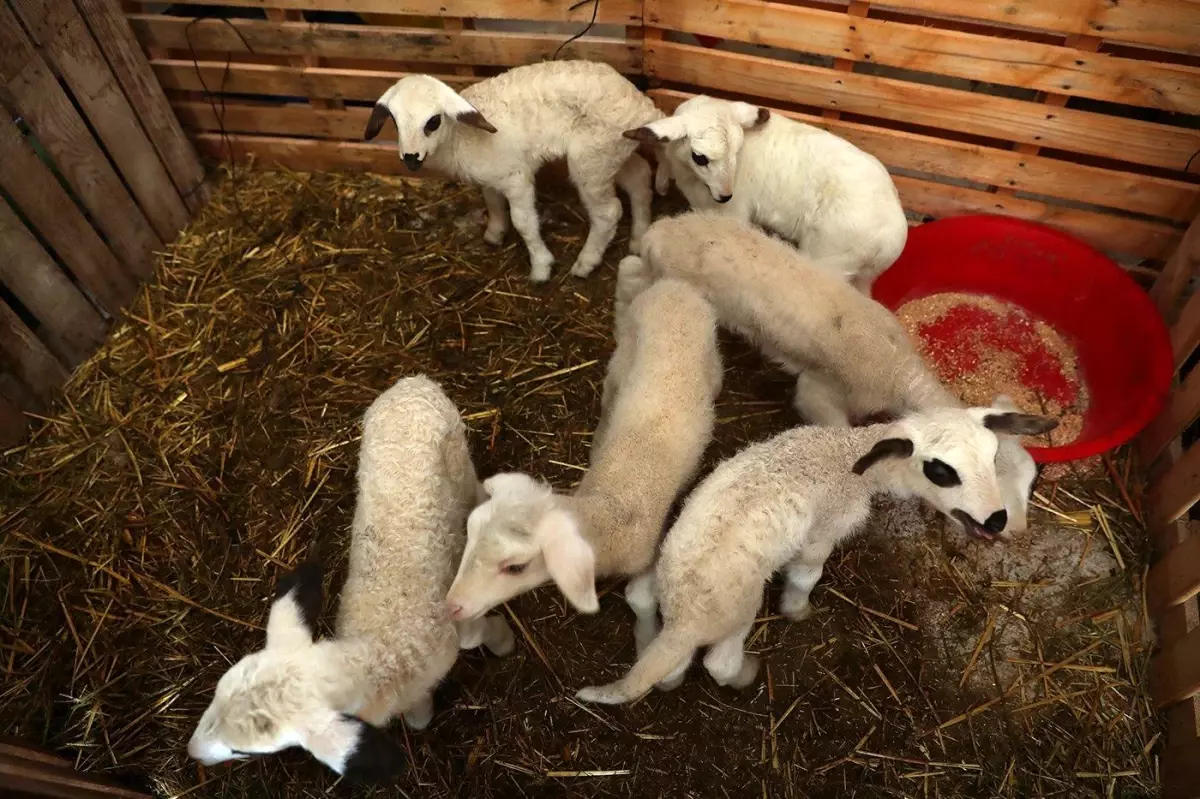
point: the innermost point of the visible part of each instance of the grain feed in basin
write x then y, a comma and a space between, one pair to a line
982, 346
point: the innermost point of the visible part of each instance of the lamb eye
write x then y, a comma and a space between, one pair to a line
433, 124
515, 568
701, 160
941, 474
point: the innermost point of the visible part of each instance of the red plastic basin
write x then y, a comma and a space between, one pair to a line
1121, 342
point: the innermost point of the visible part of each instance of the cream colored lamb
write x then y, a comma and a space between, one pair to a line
499, 131
852, 357
786, 503
658, 417
835, 202
394, 644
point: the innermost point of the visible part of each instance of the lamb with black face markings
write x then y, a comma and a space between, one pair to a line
394, 643
786, 503
499, 131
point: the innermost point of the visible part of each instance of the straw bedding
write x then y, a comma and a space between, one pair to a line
212, 443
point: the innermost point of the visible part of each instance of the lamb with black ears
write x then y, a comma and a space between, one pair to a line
499, 131
394, 643
786, 503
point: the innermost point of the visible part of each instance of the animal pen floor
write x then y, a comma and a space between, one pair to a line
212, 443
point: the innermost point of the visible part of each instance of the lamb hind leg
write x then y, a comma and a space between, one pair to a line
819, 401
634, 179
803, 573
497, 211
728, 662
521, 202
604, 211
642, 600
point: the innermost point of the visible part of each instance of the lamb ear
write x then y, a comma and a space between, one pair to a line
750, 116
660, 131
569, 559
887, 448
379, 117
475, 120
353, 748
1019, 424
292, 622
508, 483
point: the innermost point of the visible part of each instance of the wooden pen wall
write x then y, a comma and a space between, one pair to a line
95, 175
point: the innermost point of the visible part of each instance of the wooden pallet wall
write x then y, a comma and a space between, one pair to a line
297, 88
1080, 114
1173, 583
95, 175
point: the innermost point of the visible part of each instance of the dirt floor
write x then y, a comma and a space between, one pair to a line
212, 444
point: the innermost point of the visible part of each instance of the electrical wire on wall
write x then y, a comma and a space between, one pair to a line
588, 27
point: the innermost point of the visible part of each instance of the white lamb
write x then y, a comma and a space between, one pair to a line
836, 202
499, 131
787, 503
394, 644
852, 357
658, 417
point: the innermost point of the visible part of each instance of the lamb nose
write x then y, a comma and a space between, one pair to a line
412, 161
453, 610
724, 198
996, 522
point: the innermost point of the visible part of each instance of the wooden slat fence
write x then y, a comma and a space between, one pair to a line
95, 176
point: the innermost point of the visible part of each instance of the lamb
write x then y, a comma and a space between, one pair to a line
499, 131
394, 644
658, 416
787, 503
835, 202
852, 357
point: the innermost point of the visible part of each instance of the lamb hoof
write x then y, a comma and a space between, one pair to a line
746, 674
540, 272
598, 694
419, 717
635, 246
507, 641
796, 612
580, 269
493, 237
671, 683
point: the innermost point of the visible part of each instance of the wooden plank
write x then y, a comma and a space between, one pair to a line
48, 207
1175, 671
71, 328
1181, 770
372, 41
923, 196
13, 423
1178, 270
66, 41
1102, 231
1176, 577
1172, 199
1170, 24
1185, 333
304, 155
40, 99
920, 104
128, 63
283, 15
347, 84
1179, 487
616, 12
28, 358
1183, 408
62, 782
1008, 61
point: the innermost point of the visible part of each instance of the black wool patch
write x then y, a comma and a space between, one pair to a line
376, 757
304, 584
